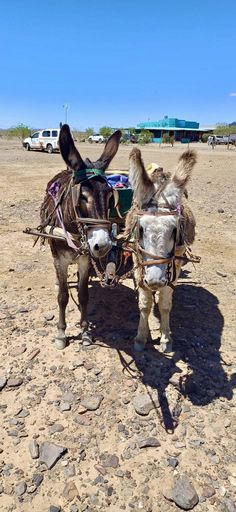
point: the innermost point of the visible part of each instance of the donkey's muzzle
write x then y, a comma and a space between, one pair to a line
99, 242
155, 285
155, 278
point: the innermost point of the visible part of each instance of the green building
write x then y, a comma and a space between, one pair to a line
183, 131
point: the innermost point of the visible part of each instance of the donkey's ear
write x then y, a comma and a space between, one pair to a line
110, 150
183, 172
68, 150
142, 185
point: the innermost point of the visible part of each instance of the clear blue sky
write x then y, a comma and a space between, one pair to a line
117, 62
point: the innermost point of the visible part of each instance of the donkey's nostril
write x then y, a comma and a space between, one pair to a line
96, 247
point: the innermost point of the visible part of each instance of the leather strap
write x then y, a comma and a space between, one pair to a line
156, 213
155, 259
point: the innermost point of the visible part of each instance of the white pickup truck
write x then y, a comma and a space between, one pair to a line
44, 140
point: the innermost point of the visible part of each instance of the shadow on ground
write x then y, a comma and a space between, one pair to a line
197, 325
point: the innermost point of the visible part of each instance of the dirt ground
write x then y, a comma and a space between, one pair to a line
105, 467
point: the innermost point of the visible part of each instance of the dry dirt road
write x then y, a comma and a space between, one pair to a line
108, 464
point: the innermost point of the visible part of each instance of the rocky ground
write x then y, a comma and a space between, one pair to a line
98, 428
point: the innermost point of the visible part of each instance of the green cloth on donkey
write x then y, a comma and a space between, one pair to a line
87, 174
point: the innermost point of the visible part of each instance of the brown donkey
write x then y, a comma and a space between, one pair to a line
161, 226
77, 202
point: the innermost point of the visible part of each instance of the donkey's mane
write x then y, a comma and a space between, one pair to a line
131, 219
48, 211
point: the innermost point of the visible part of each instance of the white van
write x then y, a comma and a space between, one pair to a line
46, 140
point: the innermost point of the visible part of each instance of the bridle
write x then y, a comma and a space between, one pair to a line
180, 251
154, 259
83, 223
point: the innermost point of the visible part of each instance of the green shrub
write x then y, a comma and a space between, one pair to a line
225, 129
21, 131
106, 131
145, 137
168, 139
88, 132
205, 136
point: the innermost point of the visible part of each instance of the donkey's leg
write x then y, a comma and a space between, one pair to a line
165, 305
61, 267
83, 296
145, 306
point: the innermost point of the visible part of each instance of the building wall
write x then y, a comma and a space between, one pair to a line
179, 136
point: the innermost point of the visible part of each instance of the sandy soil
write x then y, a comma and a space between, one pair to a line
194, 420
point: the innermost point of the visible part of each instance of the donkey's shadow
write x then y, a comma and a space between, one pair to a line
197, 325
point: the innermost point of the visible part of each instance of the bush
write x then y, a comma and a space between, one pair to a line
204, 137
88, 132
106, 131
225, 129
21, 131
78, 135
131, 130
168, 139
145, 137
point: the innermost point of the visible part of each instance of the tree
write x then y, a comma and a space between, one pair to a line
145, 137
131, 130
105, 131
204, 137
168, 139
88, 132
21, 131
224, 129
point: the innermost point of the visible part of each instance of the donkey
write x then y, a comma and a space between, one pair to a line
77, 202
162, 226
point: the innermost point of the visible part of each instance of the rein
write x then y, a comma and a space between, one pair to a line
154, 259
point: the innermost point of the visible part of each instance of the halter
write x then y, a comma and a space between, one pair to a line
161, 210
83, 223
154, 259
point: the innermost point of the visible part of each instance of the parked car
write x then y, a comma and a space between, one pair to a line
44, 140
96, 138
217, 139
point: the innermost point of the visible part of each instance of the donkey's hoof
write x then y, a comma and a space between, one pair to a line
166, 343
87, 339
60, 343
166, 347
139, 347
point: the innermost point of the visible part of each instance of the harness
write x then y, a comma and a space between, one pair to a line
180, 250
83, 223
79, 244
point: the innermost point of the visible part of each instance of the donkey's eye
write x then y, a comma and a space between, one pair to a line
83, 197
141, 231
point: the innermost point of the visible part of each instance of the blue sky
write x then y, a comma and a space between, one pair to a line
116, 62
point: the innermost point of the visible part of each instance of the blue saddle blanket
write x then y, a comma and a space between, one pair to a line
116, 180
